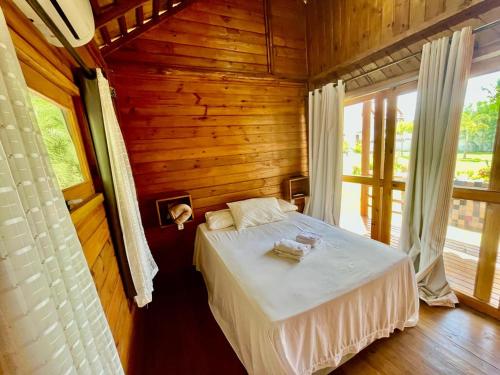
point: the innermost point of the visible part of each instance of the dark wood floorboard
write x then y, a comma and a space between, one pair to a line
178, 335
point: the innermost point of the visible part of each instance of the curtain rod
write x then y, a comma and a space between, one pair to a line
474, 31
89, 73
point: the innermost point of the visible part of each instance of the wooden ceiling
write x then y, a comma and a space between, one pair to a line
119, 21
405, 62
370, 54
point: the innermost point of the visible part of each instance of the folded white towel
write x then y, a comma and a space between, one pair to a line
309, 238
284, 254
292, 247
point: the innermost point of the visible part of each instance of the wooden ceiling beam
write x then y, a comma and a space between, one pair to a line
427, 29
145, 27
113, 11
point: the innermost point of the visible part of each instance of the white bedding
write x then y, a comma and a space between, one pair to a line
287, 317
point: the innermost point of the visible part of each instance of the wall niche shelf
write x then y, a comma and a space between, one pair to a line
164, 205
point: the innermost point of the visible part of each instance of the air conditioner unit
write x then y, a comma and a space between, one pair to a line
74, 19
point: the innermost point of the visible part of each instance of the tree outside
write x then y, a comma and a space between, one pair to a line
477, 135
57, 139
477, 132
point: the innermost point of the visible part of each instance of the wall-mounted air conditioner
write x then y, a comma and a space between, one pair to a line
74, 19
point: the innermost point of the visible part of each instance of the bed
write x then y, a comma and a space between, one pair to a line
287, 317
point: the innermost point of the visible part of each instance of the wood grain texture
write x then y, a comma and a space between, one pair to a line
288, 33
49, 71
445, 341
224, 35
219, 137
374, 31
93, 232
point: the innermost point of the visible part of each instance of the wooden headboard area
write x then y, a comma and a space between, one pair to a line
212, 102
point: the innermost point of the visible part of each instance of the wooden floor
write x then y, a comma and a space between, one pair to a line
180, 336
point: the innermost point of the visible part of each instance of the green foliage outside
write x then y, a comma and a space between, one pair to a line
345, 147
477, 131
357, 147
403, 129
477, 135
62, 153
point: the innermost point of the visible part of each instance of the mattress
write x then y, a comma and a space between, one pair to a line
287, 317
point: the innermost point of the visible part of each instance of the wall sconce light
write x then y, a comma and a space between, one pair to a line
175, 210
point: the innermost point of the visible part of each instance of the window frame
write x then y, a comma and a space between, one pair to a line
41, 86
386, 184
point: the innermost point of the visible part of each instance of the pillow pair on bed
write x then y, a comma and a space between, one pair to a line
249, 213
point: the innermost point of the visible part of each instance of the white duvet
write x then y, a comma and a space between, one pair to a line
287, 317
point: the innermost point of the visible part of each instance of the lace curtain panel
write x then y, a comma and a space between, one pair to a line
51, 319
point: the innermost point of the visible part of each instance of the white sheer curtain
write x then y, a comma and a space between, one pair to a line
326, 131
442, 82
51, 319
142, 265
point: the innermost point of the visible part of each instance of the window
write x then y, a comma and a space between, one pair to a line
355, 208
377, 144
54, 126
477, 131
358, 139
472, 239
358, 154
405, 115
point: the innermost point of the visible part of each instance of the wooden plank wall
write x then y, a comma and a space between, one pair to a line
48, 70
225, 35
208, 35
220, 138
288, 34
340, 30
201, 113
93, 231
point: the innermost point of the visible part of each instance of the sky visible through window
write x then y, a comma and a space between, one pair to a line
476, 136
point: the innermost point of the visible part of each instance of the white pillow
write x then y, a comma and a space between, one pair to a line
255, 211
219, 219
287, 206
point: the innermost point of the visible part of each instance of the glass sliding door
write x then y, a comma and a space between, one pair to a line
478, 165
358, 152
405, 112
364, 124
355, 212
377, 143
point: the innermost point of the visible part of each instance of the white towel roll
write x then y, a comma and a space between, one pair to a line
309, 238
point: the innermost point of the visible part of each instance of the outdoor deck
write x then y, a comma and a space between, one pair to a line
461, 252
460, 261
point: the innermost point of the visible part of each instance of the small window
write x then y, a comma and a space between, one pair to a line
53, 122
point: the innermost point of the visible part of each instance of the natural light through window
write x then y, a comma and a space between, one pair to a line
358, 139
57, 138
404, 128
477, 131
